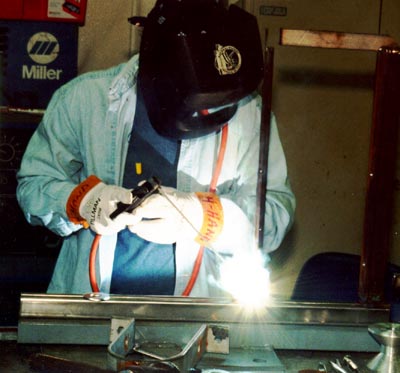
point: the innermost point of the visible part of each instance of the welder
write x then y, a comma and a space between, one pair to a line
184, 109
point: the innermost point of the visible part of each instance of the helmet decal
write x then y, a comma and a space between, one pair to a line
227, 59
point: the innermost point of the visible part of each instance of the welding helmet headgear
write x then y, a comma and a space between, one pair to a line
197, 55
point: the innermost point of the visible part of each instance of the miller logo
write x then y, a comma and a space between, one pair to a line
227, 59
43, 48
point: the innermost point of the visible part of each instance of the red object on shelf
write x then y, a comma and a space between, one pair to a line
73, 11
11, 9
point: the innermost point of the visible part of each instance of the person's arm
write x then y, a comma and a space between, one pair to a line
56, 188
50, 168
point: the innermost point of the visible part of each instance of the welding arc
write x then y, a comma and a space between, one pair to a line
199, 257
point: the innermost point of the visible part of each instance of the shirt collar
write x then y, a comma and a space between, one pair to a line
126, 78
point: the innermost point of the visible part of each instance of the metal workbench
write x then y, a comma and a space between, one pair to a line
279, 337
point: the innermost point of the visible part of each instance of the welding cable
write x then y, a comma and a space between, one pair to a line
92, 264
212, 189
199, 258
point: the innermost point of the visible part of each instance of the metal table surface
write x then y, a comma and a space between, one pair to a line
15, 357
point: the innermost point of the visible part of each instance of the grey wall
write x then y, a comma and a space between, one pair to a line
323, 102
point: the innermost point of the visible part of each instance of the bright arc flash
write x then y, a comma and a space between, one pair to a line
247, 279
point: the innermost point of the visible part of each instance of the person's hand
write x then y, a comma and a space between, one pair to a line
161, 222
92, 202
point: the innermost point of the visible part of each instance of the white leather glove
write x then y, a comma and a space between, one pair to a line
160, 221
92, 202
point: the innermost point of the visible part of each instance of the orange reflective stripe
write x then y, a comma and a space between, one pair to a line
76, 198
213, 218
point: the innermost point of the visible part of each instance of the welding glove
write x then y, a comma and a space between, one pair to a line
172, 215
92, 202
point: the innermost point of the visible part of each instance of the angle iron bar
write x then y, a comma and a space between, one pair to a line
197, 310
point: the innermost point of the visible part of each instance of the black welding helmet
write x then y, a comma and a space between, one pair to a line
197, 56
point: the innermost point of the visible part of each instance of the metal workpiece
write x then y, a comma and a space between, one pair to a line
131, 348
186, 348
198, 310
181, 346
72, 319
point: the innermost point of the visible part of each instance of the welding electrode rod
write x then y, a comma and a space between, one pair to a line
264, 146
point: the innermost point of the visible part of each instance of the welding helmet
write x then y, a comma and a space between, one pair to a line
197, 56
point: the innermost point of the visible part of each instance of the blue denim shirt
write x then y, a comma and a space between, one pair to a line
86, 130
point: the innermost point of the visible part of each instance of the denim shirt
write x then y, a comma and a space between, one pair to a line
86, 130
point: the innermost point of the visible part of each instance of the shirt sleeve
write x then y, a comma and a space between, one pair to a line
239, 201
49, 168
